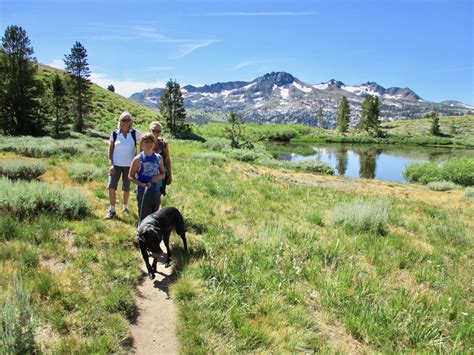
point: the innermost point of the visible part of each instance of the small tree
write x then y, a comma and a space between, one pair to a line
320, 118
111, 88
79, 73
19, 90
172, 108
59, 104
343, 115
434, 128
236, 121
370, 115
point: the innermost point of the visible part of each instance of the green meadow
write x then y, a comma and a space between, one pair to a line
282, 258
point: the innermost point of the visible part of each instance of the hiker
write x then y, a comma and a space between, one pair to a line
161, 147
122, 149
147, 171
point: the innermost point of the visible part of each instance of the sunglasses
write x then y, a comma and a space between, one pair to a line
156, 130
126, 120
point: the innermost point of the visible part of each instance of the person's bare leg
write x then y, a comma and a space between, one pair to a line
126, 195
112, 197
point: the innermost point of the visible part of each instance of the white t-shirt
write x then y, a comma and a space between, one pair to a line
124, 149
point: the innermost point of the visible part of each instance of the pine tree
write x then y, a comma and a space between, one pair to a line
19, 90
343, 115
434, 129
235, 130
370, 115
320, 118
172, 108
79, 73
59, 105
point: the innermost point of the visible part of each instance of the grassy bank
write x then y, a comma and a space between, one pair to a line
273, 265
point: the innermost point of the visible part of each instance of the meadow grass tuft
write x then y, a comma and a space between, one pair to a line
17, 326
469, 193
81, 172
20, 169
362, 216
25, 199
442, 185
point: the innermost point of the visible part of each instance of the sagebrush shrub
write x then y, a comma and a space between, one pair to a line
85, 172
17, 327
442, 185
25, 199
362, 216
21, 169
469, 193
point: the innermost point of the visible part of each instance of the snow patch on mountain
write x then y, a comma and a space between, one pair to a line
302, 88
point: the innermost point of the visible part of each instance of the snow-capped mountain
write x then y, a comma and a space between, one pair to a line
280, 97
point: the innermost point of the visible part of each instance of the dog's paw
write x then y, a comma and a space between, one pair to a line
151, 275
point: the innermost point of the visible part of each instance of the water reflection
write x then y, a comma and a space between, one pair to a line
369, 161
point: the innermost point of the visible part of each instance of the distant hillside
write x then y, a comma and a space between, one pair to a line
107, 106
282, 98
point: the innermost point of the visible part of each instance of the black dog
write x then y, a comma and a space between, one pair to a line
155, 228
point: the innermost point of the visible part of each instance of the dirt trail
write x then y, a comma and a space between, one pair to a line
154, 331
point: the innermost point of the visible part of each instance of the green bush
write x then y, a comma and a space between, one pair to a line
217, 144
442, 185
41, 147
17, 327
310, 166
18, 169
422, 172
469, 193
80, 172
362, 216
25, 199
459, 170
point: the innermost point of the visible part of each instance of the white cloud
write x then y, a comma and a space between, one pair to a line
248, 63
124, 87
265, 13
191, 46
57, 63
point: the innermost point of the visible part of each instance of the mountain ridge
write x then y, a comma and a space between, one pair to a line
280, 97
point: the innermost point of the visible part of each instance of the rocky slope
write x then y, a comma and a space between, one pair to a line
281, 98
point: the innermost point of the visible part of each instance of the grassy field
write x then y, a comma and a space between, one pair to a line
279, 261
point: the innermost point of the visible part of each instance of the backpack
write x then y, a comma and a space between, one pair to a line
132, 131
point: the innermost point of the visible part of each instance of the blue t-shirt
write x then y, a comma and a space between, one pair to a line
149, 167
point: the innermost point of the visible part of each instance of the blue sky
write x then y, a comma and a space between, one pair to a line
426, 45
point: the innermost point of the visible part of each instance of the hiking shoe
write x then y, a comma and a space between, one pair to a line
110, 215
125, 210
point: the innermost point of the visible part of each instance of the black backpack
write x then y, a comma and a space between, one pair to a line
132, 131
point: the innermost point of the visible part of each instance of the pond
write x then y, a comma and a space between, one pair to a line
367, 161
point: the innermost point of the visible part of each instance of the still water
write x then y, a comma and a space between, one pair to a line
367, 161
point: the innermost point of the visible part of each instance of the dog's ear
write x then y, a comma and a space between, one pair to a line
157, 232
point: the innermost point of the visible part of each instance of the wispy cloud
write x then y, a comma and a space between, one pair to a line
187, 48
124, 87
263, 13
248, 63
184, 46
158, 68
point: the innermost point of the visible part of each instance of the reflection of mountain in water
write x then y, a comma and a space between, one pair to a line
370, 161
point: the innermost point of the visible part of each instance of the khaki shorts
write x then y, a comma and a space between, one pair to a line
114, 179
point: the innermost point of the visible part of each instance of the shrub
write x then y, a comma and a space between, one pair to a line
442, 185
422, 172
25, 199
469, 193
362, 216
310, 166
459, 170
18, 169
85, 172
217, 144
17, 328
40, 147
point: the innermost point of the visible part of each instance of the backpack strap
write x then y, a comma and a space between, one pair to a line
134, 135
114, 136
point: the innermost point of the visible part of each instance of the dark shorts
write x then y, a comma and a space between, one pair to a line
114, 179
149, 203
